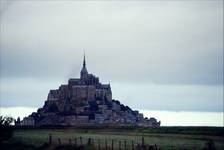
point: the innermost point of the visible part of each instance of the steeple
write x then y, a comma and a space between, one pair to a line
84, 72
84, 61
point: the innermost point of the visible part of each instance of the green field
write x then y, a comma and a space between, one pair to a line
164, 138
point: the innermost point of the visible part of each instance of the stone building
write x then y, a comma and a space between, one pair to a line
86, 101
27, 121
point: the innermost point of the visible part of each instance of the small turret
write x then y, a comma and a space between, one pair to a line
17, 122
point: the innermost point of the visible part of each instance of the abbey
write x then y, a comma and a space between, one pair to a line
79, 92
85, 101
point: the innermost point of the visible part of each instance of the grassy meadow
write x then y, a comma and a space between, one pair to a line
164, 137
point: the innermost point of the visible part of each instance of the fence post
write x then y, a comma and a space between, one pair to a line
106, 144
75, 141
70, 141
112, 144
50, 138
125, 144
119, 145
99, 144
59, 141
89, 141
132, 144
80, 140
143, 141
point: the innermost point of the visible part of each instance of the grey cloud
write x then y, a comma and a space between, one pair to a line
175, 43
148, 40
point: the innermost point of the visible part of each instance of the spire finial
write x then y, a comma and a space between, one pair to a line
84, 60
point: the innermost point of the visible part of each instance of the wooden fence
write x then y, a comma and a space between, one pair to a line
104, 144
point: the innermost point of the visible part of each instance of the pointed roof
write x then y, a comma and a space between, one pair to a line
84, 60
84, 70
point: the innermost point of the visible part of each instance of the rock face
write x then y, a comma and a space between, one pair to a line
85, 101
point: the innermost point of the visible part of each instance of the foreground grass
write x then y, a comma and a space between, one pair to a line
37, 137
16, 145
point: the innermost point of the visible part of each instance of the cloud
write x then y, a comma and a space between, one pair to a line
170, 97
165, 43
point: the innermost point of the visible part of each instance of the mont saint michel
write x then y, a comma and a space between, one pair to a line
85, 101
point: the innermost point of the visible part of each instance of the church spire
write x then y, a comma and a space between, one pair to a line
84, 61
84, 72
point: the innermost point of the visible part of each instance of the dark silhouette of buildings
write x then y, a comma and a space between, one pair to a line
85, 101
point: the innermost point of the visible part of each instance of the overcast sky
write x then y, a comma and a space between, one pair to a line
165, 55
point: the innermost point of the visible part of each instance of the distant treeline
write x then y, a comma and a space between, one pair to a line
218, 131
215, 131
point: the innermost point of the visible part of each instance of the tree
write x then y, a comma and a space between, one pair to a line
6, 129
6, 121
